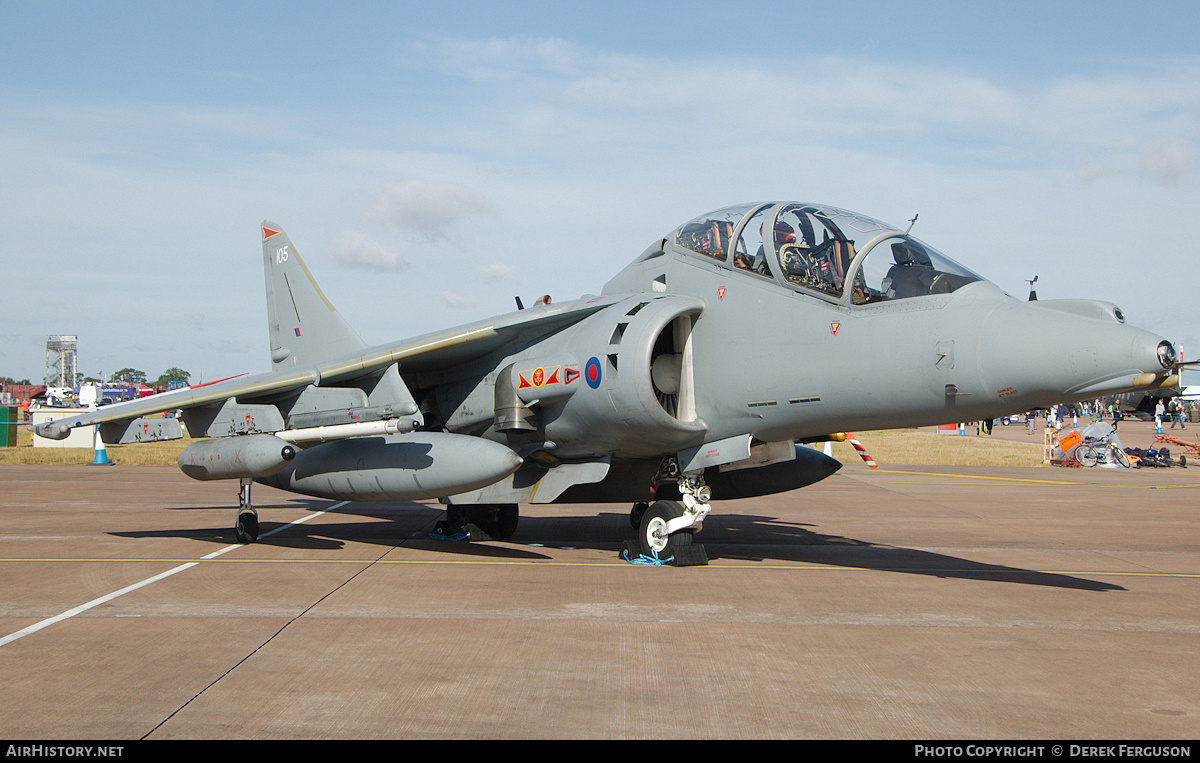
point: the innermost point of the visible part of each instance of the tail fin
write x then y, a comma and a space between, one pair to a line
304, 327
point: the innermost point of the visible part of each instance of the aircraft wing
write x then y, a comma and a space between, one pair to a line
446, 349
188, 397
430, 352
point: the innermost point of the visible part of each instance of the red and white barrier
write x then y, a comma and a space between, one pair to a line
861, 450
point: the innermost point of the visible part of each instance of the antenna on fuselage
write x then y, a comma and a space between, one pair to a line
911, 223
1032, 293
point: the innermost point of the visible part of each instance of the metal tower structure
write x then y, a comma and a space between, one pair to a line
60, 360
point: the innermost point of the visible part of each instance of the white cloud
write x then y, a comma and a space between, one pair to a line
496, 59
355, 251
602, 110
457, 301
431, 211
498, 271
1166, 161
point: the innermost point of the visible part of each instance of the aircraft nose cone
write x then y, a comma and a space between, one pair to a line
1166, 376
1167, 355
1150, 353
1070, 350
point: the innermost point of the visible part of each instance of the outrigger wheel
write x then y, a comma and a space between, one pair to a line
246, 527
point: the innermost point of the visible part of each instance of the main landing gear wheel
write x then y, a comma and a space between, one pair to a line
453, 527
653, 539
635, 515
246, 526
497, 520
485, 521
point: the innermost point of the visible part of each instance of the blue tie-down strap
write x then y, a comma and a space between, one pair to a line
439, 535
653, 560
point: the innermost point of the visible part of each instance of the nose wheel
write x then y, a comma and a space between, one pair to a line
655, 537
665, 529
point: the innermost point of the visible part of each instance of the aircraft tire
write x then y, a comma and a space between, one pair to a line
498, 520
246, 528
635, 515
650, 540
507, 518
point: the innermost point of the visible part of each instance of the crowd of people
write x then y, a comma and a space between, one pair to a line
1176, 410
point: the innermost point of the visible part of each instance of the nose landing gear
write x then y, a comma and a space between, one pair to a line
666, 528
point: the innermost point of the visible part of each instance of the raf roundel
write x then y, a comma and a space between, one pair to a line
591, 372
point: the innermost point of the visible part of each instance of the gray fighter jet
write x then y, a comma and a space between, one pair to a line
696, 374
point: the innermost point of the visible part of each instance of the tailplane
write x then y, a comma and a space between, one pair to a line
304, 327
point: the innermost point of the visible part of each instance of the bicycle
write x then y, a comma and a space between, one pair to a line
1098, 450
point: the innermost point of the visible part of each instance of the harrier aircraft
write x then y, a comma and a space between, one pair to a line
693, 376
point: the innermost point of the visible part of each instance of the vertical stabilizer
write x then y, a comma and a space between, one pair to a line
304, 327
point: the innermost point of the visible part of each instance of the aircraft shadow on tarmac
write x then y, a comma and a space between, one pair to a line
399, 524
745, 537
756, 538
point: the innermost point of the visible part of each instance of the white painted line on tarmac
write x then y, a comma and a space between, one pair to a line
162, 575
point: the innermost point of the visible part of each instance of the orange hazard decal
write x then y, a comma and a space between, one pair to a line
833, 327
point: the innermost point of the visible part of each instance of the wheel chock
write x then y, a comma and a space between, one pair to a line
690, 556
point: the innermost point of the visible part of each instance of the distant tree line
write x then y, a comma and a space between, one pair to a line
134, 376
125, 376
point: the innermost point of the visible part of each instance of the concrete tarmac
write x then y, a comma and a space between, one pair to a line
908, 602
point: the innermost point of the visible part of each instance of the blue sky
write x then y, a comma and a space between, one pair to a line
432, 160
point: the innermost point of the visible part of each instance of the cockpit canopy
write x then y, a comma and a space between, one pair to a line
839, 255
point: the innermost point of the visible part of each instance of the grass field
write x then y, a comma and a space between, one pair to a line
143, 454
912, 446
896, 446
